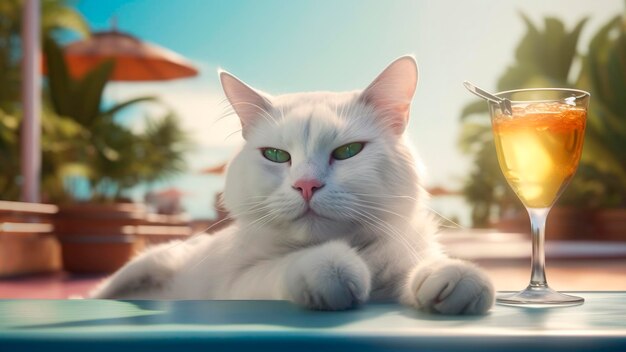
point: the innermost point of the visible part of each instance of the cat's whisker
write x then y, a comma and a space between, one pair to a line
263, 196
360, 203
249, 209
262, 133
364, 215
233, 133
254, 202
205, 231
225, 114
254, 208
225, 105
253, 211
249, 227
390, 226
386, 229
374, 205
268, 219
224, 101
384, 195
245, 209
262, 112
174, 244
457, 226
261, 218
407, 220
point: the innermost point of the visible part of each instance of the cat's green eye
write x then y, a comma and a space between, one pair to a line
276, 155
347, 150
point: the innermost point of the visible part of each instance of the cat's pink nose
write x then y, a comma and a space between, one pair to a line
307, 187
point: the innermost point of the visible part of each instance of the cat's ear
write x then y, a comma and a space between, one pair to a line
249, 104
390, 94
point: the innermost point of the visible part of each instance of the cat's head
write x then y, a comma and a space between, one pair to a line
323, 163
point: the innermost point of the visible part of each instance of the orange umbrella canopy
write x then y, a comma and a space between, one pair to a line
135, 60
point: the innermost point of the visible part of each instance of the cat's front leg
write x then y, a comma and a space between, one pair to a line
330, 276
449, 286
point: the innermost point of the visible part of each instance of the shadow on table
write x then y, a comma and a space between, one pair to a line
100, 313
40, 314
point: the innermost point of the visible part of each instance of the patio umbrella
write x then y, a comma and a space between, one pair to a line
135, 60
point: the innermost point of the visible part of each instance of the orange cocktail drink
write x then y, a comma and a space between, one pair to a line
539, 148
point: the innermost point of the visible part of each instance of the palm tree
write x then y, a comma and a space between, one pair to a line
108, 155
151, 156
604, 75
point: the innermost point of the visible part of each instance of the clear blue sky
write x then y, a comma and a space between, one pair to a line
286, 46
278, 44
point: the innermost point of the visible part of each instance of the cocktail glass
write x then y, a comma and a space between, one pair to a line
538, 149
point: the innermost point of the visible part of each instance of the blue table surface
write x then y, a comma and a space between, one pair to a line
106, 325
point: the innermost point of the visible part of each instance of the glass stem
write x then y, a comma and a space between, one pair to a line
538, 262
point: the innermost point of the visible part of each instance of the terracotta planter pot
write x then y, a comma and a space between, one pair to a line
610, 224
27, 245
95, 238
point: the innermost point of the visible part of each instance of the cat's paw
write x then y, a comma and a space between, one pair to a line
450, 287
328, 277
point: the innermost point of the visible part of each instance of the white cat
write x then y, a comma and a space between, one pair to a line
327, 207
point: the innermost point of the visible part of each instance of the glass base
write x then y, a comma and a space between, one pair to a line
539, 297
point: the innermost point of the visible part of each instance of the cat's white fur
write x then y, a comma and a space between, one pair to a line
369, 235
